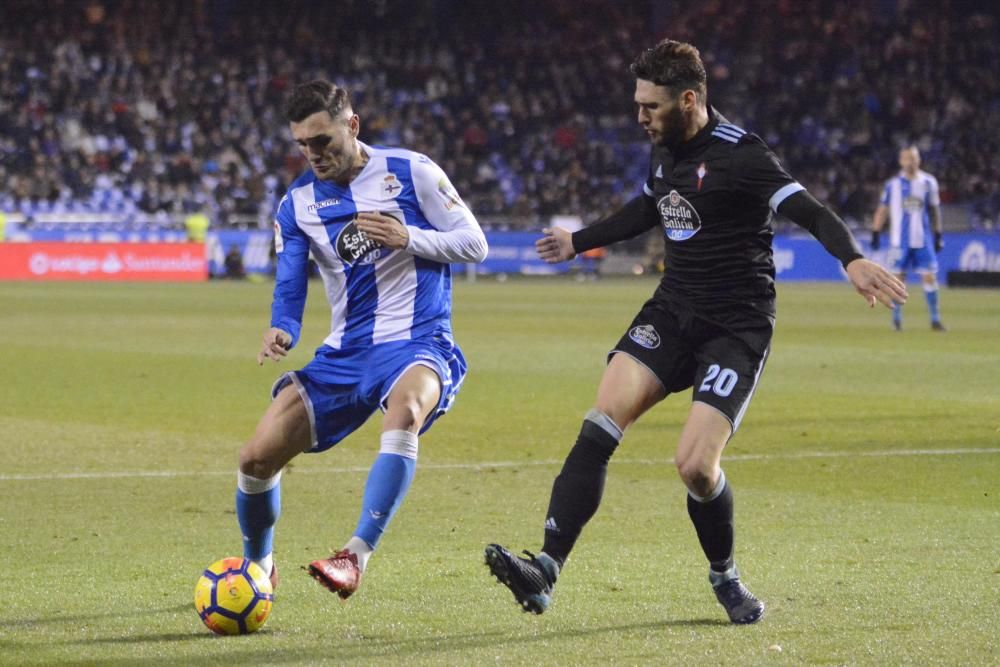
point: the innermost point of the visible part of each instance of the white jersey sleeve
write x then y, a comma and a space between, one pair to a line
456, 236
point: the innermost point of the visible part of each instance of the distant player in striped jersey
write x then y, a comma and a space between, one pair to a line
383, 226
913, 205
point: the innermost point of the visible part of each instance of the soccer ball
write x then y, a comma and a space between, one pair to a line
233, 596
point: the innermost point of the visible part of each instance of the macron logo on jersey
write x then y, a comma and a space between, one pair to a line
312, 208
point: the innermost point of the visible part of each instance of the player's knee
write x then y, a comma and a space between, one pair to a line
406, 414
698, 475
255, 462
623, 416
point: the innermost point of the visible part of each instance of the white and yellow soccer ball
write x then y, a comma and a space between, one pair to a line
233, 597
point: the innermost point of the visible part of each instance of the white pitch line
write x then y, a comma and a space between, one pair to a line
498, 464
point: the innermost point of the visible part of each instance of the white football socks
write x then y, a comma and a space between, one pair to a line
359, 548
266, 563
250, 484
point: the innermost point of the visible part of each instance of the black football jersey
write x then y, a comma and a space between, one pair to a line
715, 195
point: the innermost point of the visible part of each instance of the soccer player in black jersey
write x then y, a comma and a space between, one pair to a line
712, 188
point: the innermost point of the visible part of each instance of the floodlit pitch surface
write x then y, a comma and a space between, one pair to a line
866, 475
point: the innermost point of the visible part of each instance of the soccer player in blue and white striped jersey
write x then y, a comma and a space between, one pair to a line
912, 203
383, 226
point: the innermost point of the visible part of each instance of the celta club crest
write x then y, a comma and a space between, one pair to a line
679, 218
702, 171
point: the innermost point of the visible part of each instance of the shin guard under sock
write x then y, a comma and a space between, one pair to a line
713, 521
577, 491
258, 505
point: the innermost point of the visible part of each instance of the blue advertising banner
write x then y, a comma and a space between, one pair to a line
255, 246
803, 258
514, 252
795, 257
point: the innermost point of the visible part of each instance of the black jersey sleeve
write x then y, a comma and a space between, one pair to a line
633, 219
648, 186
803, 209
758, 173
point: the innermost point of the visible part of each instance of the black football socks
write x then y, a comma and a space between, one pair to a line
713, 521
577, 491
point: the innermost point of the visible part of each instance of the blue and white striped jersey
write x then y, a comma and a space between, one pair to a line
909, 203
377, 294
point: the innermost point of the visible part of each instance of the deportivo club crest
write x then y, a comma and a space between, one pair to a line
679, 218
391, 186
353, 246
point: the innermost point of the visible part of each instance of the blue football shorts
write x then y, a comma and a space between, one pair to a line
921, 260
343, 388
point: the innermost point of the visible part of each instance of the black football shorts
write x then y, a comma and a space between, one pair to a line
682, 350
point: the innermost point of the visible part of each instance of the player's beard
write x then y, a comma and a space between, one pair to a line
674, 127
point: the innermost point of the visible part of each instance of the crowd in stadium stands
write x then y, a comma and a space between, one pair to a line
148, 111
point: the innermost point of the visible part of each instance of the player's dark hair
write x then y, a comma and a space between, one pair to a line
313, 97
676, 65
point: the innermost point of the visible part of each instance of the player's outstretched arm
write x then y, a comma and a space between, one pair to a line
875, 283
869, 279
275, 345
637, 216
556, 246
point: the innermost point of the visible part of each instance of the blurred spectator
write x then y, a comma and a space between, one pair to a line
165, 109
234, 263
590, 263
196, 225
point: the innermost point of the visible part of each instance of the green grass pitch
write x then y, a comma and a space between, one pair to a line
866, 475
